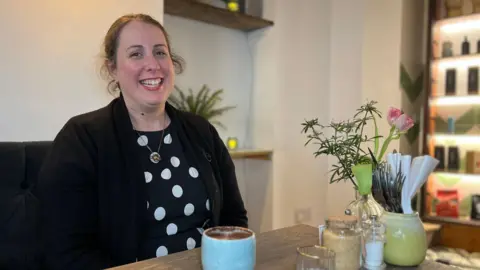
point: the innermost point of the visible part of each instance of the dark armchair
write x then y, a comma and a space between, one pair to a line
20, 163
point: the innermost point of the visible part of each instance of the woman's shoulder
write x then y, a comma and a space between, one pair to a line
98, 117
85, 127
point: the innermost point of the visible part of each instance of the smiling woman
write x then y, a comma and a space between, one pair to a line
137, 178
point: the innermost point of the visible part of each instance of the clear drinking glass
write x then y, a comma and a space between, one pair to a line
315, 258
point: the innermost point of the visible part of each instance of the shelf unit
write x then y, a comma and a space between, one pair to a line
463, 220
190, 9
451, 121
251, 154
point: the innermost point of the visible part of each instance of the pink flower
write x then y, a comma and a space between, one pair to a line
401, 121
393, 114
404, 123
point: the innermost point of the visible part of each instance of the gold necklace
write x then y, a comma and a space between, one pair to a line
155, 156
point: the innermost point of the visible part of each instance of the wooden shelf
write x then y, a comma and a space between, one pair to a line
460, 220
193, 10
457, 61
251, 154
456, 172
464, 100
467, 18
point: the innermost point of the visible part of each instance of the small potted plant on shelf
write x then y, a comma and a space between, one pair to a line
203, 103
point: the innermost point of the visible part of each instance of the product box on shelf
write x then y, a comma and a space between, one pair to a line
447, 205
475, 214
473, 162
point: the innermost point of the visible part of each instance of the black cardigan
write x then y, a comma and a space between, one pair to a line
92, 192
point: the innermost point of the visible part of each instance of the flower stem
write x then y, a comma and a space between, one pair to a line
377, 140
353, 182
385, 144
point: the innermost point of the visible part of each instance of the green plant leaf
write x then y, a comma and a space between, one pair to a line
201, 103
217, 112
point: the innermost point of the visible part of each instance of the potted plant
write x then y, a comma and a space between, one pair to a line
204, 103
348, 142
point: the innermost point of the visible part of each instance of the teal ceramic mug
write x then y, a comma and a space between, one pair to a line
232, 248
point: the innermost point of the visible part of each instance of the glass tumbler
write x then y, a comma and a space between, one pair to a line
315, 258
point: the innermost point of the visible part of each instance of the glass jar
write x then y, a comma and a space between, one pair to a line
342, 235
373, 241
364, 207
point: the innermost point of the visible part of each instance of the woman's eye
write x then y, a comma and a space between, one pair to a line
160, 53
135, 54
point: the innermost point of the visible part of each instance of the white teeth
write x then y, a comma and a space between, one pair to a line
155, 82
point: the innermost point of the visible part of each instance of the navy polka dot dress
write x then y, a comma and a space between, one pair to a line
177, 201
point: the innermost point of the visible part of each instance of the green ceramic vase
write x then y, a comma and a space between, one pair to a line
406, 239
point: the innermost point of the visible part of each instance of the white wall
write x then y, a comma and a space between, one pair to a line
49, 69
220, 58
346, 63
329, 58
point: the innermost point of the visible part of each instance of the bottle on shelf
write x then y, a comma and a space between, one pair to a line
453, 158
451, 125
439, 154
472, 80
450, 81
447, 49
465, 46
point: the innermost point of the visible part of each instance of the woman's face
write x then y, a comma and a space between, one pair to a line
144, 68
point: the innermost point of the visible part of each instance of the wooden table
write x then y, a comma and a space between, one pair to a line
276, 250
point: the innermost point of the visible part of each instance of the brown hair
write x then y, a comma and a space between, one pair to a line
111, 40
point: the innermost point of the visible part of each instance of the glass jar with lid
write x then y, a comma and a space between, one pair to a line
343, 235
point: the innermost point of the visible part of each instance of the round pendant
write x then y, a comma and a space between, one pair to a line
155, 157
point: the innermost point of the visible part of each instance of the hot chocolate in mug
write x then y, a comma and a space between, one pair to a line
226, 247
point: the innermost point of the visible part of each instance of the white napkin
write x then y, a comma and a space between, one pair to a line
421, 168
406, 163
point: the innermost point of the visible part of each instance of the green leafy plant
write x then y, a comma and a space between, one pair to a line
345, 141
204, 103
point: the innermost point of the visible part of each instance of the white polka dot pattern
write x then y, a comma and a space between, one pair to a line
148, 177
142, 140
162, 251
177, 191
175, 161
159, 213
167, 139
166, 174
166, 181
172, 229
191, 243
189, 208
193, 172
